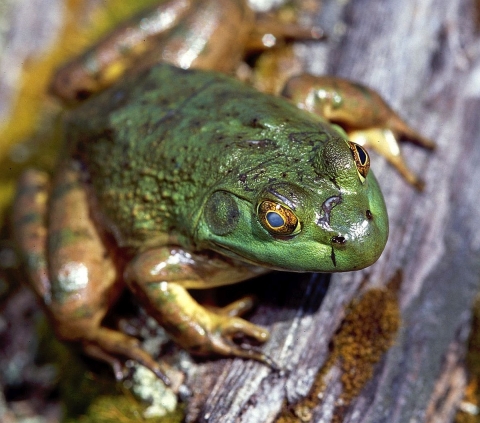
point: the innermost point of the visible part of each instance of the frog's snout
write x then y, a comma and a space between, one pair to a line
345, 233
356, 236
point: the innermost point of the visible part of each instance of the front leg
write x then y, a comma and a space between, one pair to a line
159, 277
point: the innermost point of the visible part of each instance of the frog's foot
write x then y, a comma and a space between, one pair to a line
364, 115
403, 130
109, 345
239, 308
203, 331
115, 363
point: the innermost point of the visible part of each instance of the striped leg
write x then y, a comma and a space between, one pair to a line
83, 280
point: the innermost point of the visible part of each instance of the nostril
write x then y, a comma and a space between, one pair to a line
369, 215
340, 240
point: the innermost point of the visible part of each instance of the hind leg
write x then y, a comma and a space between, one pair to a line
365, 116
30, 233
201, 34
81, 283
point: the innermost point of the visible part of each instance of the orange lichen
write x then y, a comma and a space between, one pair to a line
471, 400
366, 333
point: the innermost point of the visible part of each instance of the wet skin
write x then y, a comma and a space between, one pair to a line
179, 178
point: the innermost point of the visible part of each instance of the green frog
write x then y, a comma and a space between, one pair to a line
175, 176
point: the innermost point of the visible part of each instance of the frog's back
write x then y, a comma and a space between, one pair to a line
155, 144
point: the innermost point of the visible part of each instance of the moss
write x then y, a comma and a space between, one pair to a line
470, 401
91, 396
472, 393
121, 409
367, 331
366, 334
95, 397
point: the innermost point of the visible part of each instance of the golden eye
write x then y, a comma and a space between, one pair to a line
362, 159
277, 219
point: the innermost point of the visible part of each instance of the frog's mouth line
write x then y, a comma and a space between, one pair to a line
225, 250
332, 256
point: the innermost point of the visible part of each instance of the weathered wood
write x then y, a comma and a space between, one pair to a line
25, 34
423, 57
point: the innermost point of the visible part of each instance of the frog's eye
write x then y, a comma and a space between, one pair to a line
362, 159
277, 219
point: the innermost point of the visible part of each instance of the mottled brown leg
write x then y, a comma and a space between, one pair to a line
202, 34
107, 61
30, 232
365, 116
82, 283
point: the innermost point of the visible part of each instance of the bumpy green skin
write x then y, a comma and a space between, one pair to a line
159, 147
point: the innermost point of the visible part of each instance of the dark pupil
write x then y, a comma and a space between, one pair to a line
361, 154
275, 220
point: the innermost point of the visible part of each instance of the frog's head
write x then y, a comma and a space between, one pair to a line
336, 222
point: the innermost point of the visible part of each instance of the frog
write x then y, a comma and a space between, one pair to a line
175, 175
